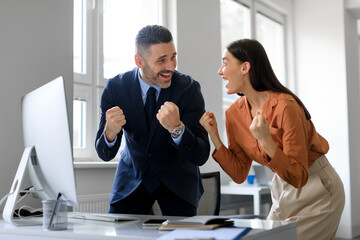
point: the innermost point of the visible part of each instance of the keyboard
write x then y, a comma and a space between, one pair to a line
107, 217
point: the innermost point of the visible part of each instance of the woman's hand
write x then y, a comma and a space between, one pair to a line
208, 121
261, 131
260, 127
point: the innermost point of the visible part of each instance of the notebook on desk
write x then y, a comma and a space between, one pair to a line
220, 233
107, 217
197, 222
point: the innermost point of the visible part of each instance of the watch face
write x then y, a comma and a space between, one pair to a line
176, 132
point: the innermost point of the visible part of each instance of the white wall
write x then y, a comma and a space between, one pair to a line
94, 180
328, 83
353, 95
199, 55
35, 47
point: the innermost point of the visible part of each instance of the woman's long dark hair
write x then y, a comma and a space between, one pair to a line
262, 76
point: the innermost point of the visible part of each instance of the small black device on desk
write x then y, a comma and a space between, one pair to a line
153, 223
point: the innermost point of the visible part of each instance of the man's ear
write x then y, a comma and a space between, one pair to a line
139, 61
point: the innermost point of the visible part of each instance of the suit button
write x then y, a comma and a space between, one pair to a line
149, 155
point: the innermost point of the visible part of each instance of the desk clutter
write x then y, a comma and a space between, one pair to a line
133, 228
221, 233
197, 222
55, 214
106, 217
203, 227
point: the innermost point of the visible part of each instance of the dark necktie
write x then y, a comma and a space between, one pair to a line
150, 104
150, 181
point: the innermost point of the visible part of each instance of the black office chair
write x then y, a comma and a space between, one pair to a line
210, 201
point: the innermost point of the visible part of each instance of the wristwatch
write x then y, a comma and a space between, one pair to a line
177, 130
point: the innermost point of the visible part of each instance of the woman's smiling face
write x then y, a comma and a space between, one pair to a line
233, 71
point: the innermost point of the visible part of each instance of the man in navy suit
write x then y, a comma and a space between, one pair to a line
163, 150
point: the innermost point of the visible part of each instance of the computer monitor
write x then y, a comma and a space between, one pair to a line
48, 152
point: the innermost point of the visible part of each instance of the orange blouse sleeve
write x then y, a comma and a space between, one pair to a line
234, 161
291, 158
298, 143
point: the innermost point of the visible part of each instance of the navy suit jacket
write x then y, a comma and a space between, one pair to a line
176, 166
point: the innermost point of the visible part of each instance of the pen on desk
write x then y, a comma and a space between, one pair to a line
55, 210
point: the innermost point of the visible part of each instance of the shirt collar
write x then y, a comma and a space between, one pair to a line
271, 102
267, 108
145, 87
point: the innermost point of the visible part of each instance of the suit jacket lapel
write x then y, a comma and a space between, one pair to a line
137, 103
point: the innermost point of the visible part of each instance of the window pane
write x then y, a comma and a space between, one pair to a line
79, 123
235, 24
79, 36
271, 35
120, 28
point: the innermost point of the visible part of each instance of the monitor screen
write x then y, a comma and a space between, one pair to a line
48, 151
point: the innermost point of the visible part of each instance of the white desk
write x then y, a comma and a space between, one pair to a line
247, 189
86, 229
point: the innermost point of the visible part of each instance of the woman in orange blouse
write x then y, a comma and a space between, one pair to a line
270, 125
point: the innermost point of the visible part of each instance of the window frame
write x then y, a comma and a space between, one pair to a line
81, 78
85, 92
281, 19
257, 6
83, 85
89, 85
91, 82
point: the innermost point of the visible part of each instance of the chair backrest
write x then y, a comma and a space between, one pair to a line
210, 201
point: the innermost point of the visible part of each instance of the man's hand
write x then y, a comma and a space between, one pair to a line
169, 116
115, 120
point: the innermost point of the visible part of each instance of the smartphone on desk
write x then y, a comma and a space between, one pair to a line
153, 223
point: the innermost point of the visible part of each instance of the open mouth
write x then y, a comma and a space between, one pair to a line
165, 75
226, 86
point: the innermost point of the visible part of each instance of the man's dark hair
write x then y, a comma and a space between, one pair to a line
149, 35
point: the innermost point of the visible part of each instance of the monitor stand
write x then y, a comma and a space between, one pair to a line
8, 213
